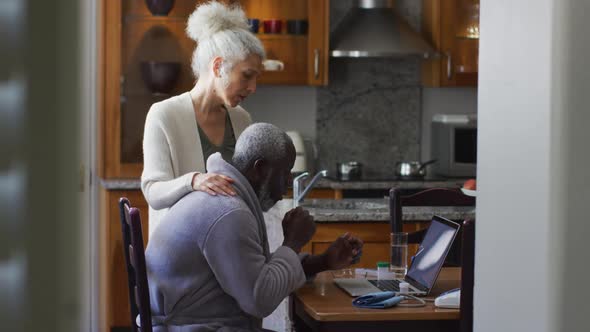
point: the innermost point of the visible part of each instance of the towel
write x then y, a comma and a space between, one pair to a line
378, 300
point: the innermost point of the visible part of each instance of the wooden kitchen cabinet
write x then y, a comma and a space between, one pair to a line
452, 27
131, 35
374, 235
305, 56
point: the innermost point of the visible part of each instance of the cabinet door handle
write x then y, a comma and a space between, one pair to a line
316, 63
449, 66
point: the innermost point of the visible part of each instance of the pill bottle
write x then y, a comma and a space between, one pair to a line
382, 270
404, 287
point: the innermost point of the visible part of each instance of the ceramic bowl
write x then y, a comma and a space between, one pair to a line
159, 7
160, 77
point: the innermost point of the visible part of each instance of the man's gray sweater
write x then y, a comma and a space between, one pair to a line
209, 266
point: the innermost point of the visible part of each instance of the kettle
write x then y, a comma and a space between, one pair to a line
300, 164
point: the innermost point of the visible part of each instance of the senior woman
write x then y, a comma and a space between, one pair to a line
183, 131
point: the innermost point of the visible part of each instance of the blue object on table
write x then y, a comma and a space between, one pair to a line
378, 300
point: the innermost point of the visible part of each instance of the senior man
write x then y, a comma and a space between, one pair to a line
209, 264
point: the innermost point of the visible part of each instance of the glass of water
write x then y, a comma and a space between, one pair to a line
399, 254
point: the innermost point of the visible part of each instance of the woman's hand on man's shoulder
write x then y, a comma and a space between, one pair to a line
214, 184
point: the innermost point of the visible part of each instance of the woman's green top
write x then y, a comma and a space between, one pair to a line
226, 148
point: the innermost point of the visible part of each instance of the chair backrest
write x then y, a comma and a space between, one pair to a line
138, 291
428, 197
126, 232
467, 275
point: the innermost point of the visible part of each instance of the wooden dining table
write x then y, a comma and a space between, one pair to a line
321, 306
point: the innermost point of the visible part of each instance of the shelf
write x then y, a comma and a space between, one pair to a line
278, 36
157, 19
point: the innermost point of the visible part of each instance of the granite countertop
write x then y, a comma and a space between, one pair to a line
121, 184
386, 184
324, 183
371, 210
351, 209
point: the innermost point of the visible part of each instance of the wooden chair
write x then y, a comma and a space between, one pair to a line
139, 297
443, 197
123, 206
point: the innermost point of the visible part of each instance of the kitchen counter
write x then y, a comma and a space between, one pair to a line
371, 210
387, 184
409, 213
366, 211
121, 184
325, 183
352, 210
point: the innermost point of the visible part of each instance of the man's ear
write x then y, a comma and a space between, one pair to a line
261, 168
217, 63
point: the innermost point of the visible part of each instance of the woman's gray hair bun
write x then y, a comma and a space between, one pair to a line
220, 30
213, 17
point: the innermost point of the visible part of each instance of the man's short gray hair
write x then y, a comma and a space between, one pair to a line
221, 31
261, 141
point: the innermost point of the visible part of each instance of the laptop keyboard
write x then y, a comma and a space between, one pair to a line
386, 285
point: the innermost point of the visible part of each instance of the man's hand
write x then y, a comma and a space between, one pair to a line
298, 228
344, 251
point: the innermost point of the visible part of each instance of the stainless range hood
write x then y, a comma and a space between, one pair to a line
373, 29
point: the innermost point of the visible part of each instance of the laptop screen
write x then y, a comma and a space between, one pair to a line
432, 251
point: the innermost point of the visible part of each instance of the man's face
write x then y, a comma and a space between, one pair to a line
275, 184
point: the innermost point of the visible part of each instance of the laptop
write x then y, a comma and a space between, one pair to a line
426, 264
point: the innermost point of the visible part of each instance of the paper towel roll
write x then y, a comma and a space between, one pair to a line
300, 157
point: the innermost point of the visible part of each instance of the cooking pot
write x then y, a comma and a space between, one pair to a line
412, 169
350, 170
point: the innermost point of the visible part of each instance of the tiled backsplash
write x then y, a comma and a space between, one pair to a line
370, 111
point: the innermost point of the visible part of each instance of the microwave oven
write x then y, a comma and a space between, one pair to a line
454, 144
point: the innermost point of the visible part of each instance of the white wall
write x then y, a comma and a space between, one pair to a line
513, 212
532, 167
289, 107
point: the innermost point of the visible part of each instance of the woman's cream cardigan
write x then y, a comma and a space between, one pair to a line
172, 152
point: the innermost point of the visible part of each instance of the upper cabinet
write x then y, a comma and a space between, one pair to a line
294, 32
452, 26
147, 55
